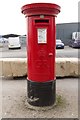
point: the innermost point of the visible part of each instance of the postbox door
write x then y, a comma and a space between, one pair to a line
43, 53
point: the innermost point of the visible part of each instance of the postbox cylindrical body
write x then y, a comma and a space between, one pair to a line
41, 45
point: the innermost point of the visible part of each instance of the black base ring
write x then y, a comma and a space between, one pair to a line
41, 94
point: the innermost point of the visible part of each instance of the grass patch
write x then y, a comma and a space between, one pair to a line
60, 101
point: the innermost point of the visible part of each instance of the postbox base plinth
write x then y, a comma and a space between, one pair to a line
41, 94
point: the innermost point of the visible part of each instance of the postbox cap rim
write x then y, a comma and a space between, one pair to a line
26, 9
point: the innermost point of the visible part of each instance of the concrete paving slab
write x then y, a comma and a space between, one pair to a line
14, 94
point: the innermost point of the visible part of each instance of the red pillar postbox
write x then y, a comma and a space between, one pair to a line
41, 38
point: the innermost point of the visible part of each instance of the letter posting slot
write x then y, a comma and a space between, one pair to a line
41, 37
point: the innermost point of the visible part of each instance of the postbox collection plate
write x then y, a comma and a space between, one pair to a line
42, 35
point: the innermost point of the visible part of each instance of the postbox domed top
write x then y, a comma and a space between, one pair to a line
40, 9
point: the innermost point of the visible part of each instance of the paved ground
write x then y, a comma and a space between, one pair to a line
21, 53
14, 97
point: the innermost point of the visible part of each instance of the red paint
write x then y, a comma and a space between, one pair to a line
41, 56
40, 8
